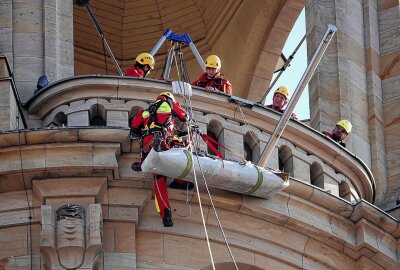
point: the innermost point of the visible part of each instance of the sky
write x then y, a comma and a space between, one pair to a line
292, 75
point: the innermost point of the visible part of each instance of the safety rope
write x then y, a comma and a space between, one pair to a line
247, 123
183, 76
28, 239
188, 102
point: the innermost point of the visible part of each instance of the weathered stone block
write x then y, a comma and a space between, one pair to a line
117, 119
118, 261
5, 14
78, 119
28, 44
27, 19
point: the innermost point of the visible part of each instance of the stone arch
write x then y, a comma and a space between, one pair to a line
251, 144
57, 118
271, 48
344, 191
97, 115
285, 156
317, 175
216, 131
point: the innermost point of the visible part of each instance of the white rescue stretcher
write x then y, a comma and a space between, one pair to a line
241, 177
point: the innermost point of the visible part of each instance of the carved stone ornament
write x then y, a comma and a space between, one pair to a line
70, 239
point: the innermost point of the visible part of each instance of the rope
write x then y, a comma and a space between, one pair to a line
28, 239
187, 97
104, 53
202, 216
247, 123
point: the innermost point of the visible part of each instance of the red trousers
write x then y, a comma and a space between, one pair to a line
160, 181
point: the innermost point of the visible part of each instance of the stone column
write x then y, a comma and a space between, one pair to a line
374, 90
389, 43
342, 86
37, 38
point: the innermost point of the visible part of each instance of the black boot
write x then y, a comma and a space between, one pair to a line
167, 220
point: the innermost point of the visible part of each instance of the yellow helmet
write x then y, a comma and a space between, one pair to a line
345, 124
145, 59
213, 61
283, 90
168, 95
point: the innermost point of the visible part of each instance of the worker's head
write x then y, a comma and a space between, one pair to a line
166, 95
341, 130
145, 61
213, 65
281, 97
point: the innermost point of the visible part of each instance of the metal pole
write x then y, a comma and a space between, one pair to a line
198, 56
296, 95
160, 42
101, 33
283, 69
168, 64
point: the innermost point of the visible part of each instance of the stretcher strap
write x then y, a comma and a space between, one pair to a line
259, 182
189, 164
210, 141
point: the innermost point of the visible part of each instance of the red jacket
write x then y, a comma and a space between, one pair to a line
281, 110
134, 72
217, 82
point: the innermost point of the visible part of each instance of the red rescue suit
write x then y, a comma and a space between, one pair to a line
158, 118
281, 110
218, 82
135, 72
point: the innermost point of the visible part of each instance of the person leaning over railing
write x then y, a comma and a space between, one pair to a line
340, 132
212, 79
280, 100
144, 63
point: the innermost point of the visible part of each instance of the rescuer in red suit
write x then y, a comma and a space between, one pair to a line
212, 80
155, 125
144, 63
279, 101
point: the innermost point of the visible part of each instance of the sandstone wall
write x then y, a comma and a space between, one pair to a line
358, 80
36, 36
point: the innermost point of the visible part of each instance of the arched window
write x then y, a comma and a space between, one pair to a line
285, 159
60, 119
251, 147
97, 115
317, 175
216, 132
344, 191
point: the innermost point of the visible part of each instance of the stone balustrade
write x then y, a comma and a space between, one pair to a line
302, 151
